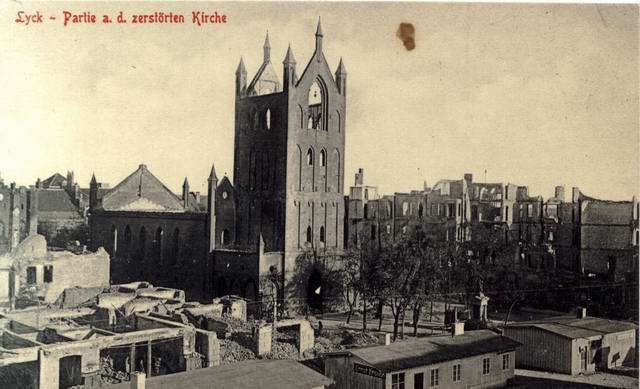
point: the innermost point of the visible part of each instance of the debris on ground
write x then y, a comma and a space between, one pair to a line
232, 352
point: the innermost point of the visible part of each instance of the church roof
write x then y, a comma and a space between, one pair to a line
56, 180
142, 192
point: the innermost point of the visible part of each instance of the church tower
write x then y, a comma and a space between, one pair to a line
289, 154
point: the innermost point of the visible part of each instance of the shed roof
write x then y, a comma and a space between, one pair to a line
574, 328
426, 351
263, 374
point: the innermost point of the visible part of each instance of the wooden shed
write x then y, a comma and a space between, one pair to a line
574, 345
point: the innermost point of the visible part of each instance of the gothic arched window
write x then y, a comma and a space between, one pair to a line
252, 169
114, 240
301, 112
309, 235
143, 242
322, 237
317, 106
127, 241
157, 245
315, 94
310, 157
256, 120
323, 158
265, 172
336, 166
267, 119
176, 246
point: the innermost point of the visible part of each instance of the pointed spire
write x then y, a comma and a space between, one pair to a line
319, 28
241, 69
212, 175
93, 179
319, 37
289, 59
341, 70
185, 184
267, 49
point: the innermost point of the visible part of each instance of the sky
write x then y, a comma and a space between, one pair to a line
538, 95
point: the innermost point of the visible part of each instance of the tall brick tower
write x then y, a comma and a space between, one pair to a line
289, 154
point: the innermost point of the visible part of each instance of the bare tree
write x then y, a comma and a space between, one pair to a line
400, 271
350, 279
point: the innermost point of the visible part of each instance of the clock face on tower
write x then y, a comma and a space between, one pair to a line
225, 195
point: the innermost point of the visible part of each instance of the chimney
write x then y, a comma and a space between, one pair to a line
560, 193
185, 193
137, 380
70, 179
581, 313
360, 177
457, 328
576, 194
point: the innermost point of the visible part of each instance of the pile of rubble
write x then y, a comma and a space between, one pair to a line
232, 352
109, 375
358, 339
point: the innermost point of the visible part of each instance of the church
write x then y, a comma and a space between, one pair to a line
286, 196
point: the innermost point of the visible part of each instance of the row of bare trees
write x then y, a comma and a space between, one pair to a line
410, 274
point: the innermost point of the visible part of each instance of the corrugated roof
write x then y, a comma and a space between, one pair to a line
426, 351
567, 331
263, 374
574, 328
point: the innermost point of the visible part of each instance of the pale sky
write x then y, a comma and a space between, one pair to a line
538, 95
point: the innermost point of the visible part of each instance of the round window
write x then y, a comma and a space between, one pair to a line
225, 195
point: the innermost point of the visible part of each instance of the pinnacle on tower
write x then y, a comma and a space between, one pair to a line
212, 175
319, 28
185, 184
267, 49
319, 37
93, 179
289, 58
341, 69
241, 69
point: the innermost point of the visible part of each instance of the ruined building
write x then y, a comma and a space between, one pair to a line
61, 205
17, 215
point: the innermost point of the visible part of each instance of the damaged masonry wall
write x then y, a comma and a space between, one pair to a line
95, 345
32, 273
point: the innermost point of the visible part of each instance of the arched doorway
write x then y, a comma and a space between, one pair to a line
314, 290
221, 287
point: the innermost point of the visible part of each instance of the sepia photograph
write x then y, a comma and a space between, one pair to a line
319, 195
